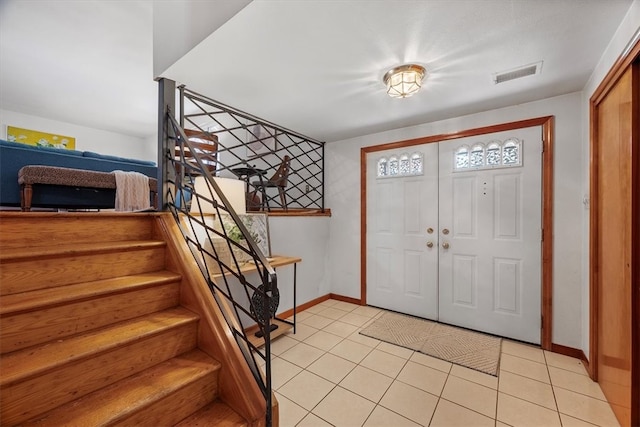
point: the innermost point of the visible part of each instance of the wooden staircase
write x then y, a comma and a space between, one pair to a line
97, 328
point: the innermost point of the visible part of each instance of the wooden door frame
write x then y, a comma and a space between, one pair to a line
547, 124
629, 58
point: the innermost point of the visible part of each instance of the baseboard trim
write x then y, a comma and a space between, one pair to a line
571, 352
346, 299
305, 306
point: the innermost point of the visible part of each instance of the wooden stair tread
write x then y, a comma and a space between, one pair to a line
217, 414
118, 401
18, 254
33, 361
49, 297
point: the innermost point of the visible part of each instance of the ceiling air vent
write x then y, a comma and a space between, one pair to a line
527, 70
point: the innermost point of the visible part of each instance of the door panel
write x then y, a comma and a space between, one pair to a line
613, 236
401, 270
490, 240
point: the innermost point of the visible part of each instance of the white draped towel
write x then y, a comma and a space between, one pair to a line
132, 191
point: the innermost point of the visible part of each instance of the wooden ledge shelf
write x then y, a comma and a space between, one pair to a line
275, 261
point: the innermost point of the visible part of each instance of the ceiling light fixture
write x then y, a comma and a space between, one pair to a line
404, 81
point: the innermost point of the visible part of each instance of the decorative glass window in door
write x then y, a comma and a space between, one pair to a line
416, 164
399, 166
394, 167
476, 159
496, 154
382, 167
511, 152
462, 158
493, 153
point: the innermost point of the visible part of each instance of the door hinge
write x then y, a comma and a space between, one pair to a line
541, 322
542, 234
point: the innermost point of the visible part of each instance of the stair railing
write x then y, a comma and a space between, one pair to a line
242, 299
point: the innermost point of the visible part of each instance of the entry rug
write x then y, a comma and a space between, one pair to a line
466, 348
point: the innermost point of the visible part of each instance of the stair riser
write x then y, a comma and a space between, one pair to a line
39, 326
38, 230
27, 399
177, 406
28, 275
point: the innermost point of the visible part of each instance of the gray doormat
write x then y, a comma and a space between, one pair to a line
473, 350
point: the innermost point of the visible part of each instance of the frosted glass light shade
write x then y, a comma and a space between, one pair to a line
404, 81
233, 189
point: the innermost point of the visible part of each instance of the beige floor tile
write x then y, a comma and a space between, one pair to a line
423, 377
527, 389
340, 328
565, 362
396, 350
301, 316
363, 339
331, 313
449, 414
302, 355
498, 424
568, 421
355, 319
290, 413
432, 362
470, 395
316, 309
584, 407
345, 306
523, 350
365, 310
475, 376
575, 382
317, 321
323, 340
366, 383
344, 408
328, 303
524, 367
312, 420
520, 413
382, 417
302, 332
351, 351
282, 344
282, 371
410, 402
306, 389
385, 363
331, 367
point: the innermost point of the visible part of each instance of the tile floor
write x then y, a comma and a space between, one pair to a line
328, 374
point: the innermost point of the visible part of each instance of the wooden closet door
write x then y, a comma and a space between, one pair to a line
613, 240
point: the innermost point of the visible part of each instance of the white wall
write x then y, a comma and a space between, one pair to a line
179, 25
87, 139
343, 197
629, 26
307, 238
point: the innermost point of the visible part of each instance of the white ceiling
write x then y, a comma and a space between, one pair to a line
311, 66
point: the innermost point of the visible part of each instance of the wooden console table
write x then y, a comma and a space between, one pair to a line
284, 325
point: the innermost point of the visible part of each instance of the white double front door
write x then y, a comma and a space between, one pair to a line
460, 243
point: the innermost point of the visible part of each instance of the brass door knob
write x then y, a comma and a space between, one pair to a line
445, 231
429, 230
429, 244
445, 245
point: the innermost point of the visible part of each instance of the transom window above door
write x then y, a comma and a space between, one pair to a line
400, 165
494, 154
